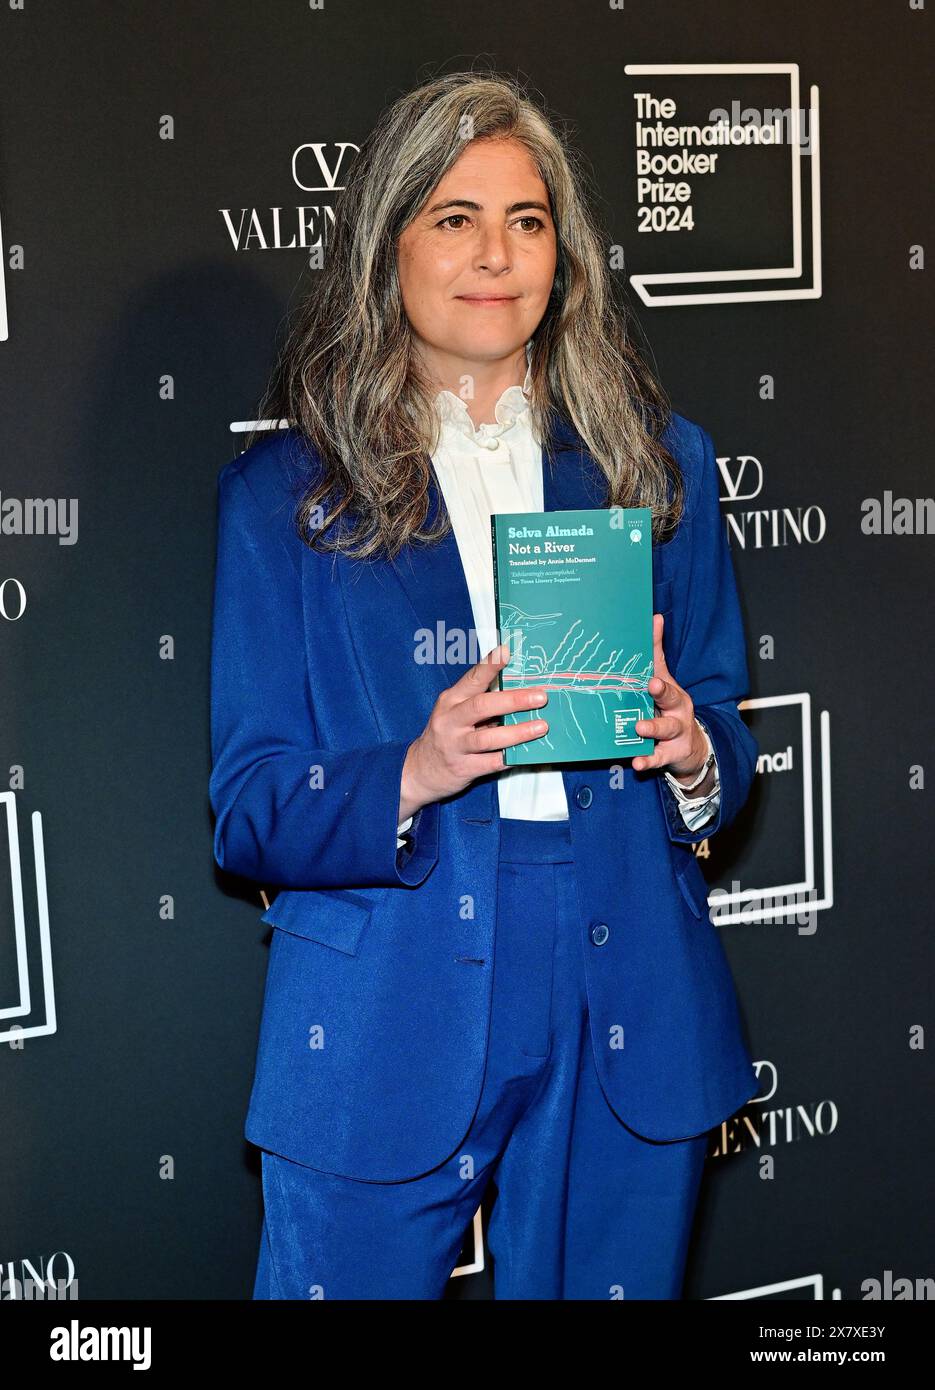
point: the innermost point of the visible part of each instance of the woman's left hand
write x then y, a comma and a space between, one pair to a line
680, 743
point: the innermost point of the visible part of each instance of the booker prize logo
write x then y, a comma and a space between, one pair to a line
717, 148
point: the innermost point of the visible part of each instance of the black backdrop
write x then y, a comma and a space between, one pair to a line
139, 328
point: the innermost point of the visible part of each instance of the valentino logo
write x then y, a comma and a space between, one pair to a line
742, 478
44, 1279
767, 1074
309, 157
764, 528
317, 166
771, 1125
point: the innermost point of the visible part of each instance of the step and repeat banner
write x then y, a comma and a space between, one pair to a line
169, 176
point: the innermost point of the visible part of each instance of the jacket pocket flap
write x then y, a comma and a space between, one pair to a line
335, 919
692, 883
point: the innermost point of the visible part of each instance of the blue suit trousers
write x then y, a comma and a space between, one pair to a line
584, 1209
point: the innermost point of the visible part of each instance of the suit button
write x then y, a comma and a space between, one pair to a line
584, 796
599, 933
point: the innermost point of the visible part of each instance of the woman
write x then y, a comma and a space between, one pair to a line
476, 973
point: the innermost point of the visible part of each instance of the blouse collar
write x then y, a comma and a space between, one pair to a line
512, 405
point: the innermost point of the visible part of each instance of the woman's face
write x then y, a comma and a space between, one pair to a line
476, 264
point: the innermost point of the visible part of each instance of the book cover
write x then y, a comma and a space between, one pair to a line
573, 597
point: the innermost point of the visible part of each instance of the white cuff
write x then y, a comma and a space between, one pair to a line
697, 810
700, 809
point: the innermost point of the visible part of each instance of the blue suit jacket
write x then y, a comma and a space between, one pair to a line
374, 1028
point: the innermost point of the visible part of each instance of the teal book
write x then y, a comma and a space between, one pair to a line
573, 596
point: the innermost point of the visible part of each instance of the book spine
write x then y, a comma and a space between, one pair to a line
496, 608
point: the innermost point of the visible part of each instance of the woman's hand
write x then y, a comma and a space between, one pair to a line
680, 743
461, 740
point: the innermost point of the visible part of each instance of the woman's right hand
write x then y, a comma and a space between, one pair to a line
461, 740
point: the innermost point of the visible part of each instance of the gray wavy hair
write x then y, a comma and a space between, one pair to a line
347, 377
